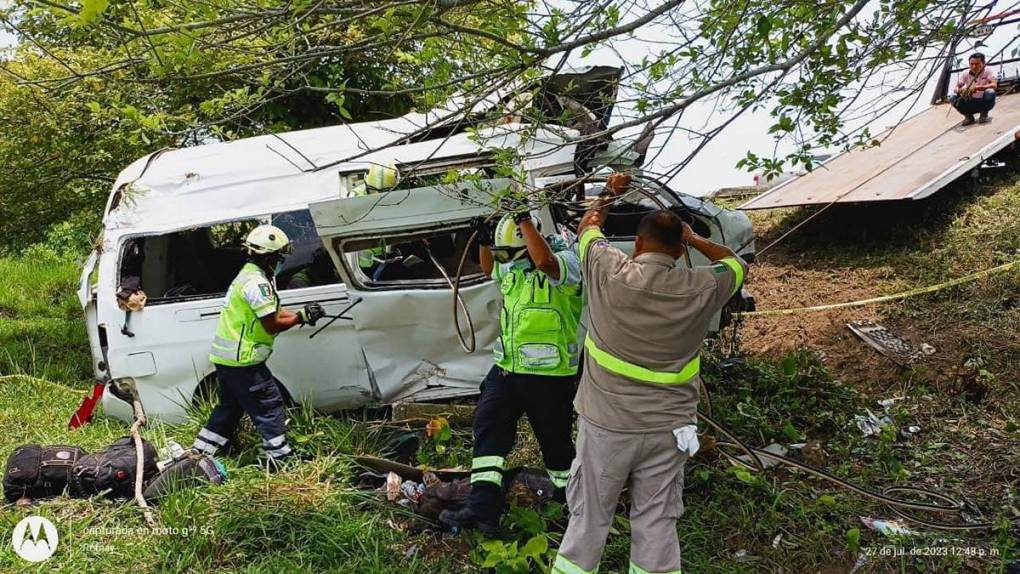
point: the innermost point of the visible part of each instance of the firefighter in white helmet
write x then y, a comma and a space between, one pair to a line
379, 178
250, 319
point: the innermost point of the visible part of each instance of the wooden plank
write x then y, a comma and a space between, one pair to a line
456, 414
917, 158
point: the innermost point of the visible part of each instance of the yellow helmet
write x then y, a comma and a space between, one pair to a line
267, 239
508, 241
382, 177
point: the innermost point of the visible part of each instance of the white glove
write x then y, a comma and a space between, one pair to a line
687, 439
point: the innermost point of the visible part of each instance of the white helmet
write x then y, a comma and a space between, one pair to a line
266, 239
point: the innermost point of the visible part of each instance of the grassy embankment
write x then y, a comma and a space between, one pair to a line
805, 381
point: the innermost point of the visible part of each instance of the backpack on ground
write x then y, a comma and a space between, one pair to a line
36, 471
113, 469
189, 470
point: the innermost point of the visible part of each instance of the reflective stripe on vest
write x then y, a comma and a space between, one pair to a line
240, 338
627, 369
538, 324
737, 270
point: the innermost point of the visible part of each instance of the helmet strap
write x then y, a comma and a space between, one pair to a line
266, 262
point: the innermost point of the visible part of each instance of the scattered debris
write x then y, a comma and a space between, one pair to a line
412, 490
894, 527
896, 348
886, 403
777, 540
741, 556
411, 552
872, 425
862, 560
428, 492
393, 484
910, 431
774, 448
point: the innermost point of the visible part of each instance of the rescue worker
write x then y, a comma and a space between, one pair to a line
250, 319
638, 396
378, 179
536, 358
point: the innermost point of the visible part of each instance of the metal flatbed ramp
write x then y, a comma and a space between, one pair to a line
916, 159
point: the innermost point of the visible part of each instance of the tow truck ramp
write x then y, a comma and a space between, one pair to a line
916, 158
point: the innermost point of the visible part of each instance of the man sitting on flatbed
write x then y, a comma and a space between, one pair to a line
975, 91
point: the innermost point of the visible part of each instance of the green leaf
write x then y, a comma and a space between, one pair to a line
853, 541
743, 475
536, 546
91, 10
528, 520
790, 366
791, 433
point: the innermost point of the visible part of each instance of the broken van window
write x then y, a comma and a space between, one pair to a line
625, 215
432, 172
202, 262
416, 259
308, 265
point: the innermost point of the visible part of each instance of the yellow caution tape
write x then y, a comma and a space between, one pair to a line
883, 299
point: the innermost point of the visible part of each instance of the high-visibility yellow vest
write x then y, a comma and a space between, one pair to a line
538, 324
240, 339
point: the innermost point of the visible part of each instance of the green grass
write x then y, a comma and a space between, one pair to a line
309, 518
305, 518
42, 330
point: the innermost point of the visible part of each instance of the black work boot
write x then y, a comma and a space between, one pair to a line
465, 519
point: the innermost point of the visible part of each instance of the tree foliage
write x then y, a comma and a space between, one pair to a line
98, 81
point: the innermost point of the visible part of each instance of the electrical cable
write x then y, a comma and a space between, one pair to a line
457, 299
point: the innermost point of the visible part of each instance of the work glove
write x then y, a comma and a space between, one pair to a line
484, 231
311, 313
521, 217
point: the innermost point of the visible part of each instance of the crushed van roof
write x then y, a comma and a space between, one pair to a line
180, 188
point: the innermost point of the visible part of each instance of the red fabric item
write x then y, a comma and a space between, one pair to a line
83, 415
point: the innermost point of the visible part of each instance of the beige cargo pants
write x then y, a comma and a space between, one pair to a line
652, 467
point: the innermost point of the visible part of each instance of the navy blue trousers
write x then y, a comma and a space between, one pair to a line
971, 106
254, 391
549, 404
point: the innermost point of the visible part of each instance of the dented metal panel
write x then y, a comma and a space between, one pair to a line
405, 328
410, 345
379, 214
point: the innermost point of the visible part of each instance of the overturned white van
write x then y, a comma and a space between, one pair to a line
174, 220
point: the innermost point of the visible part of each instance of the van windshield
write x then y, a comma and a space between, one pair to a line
201, 262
